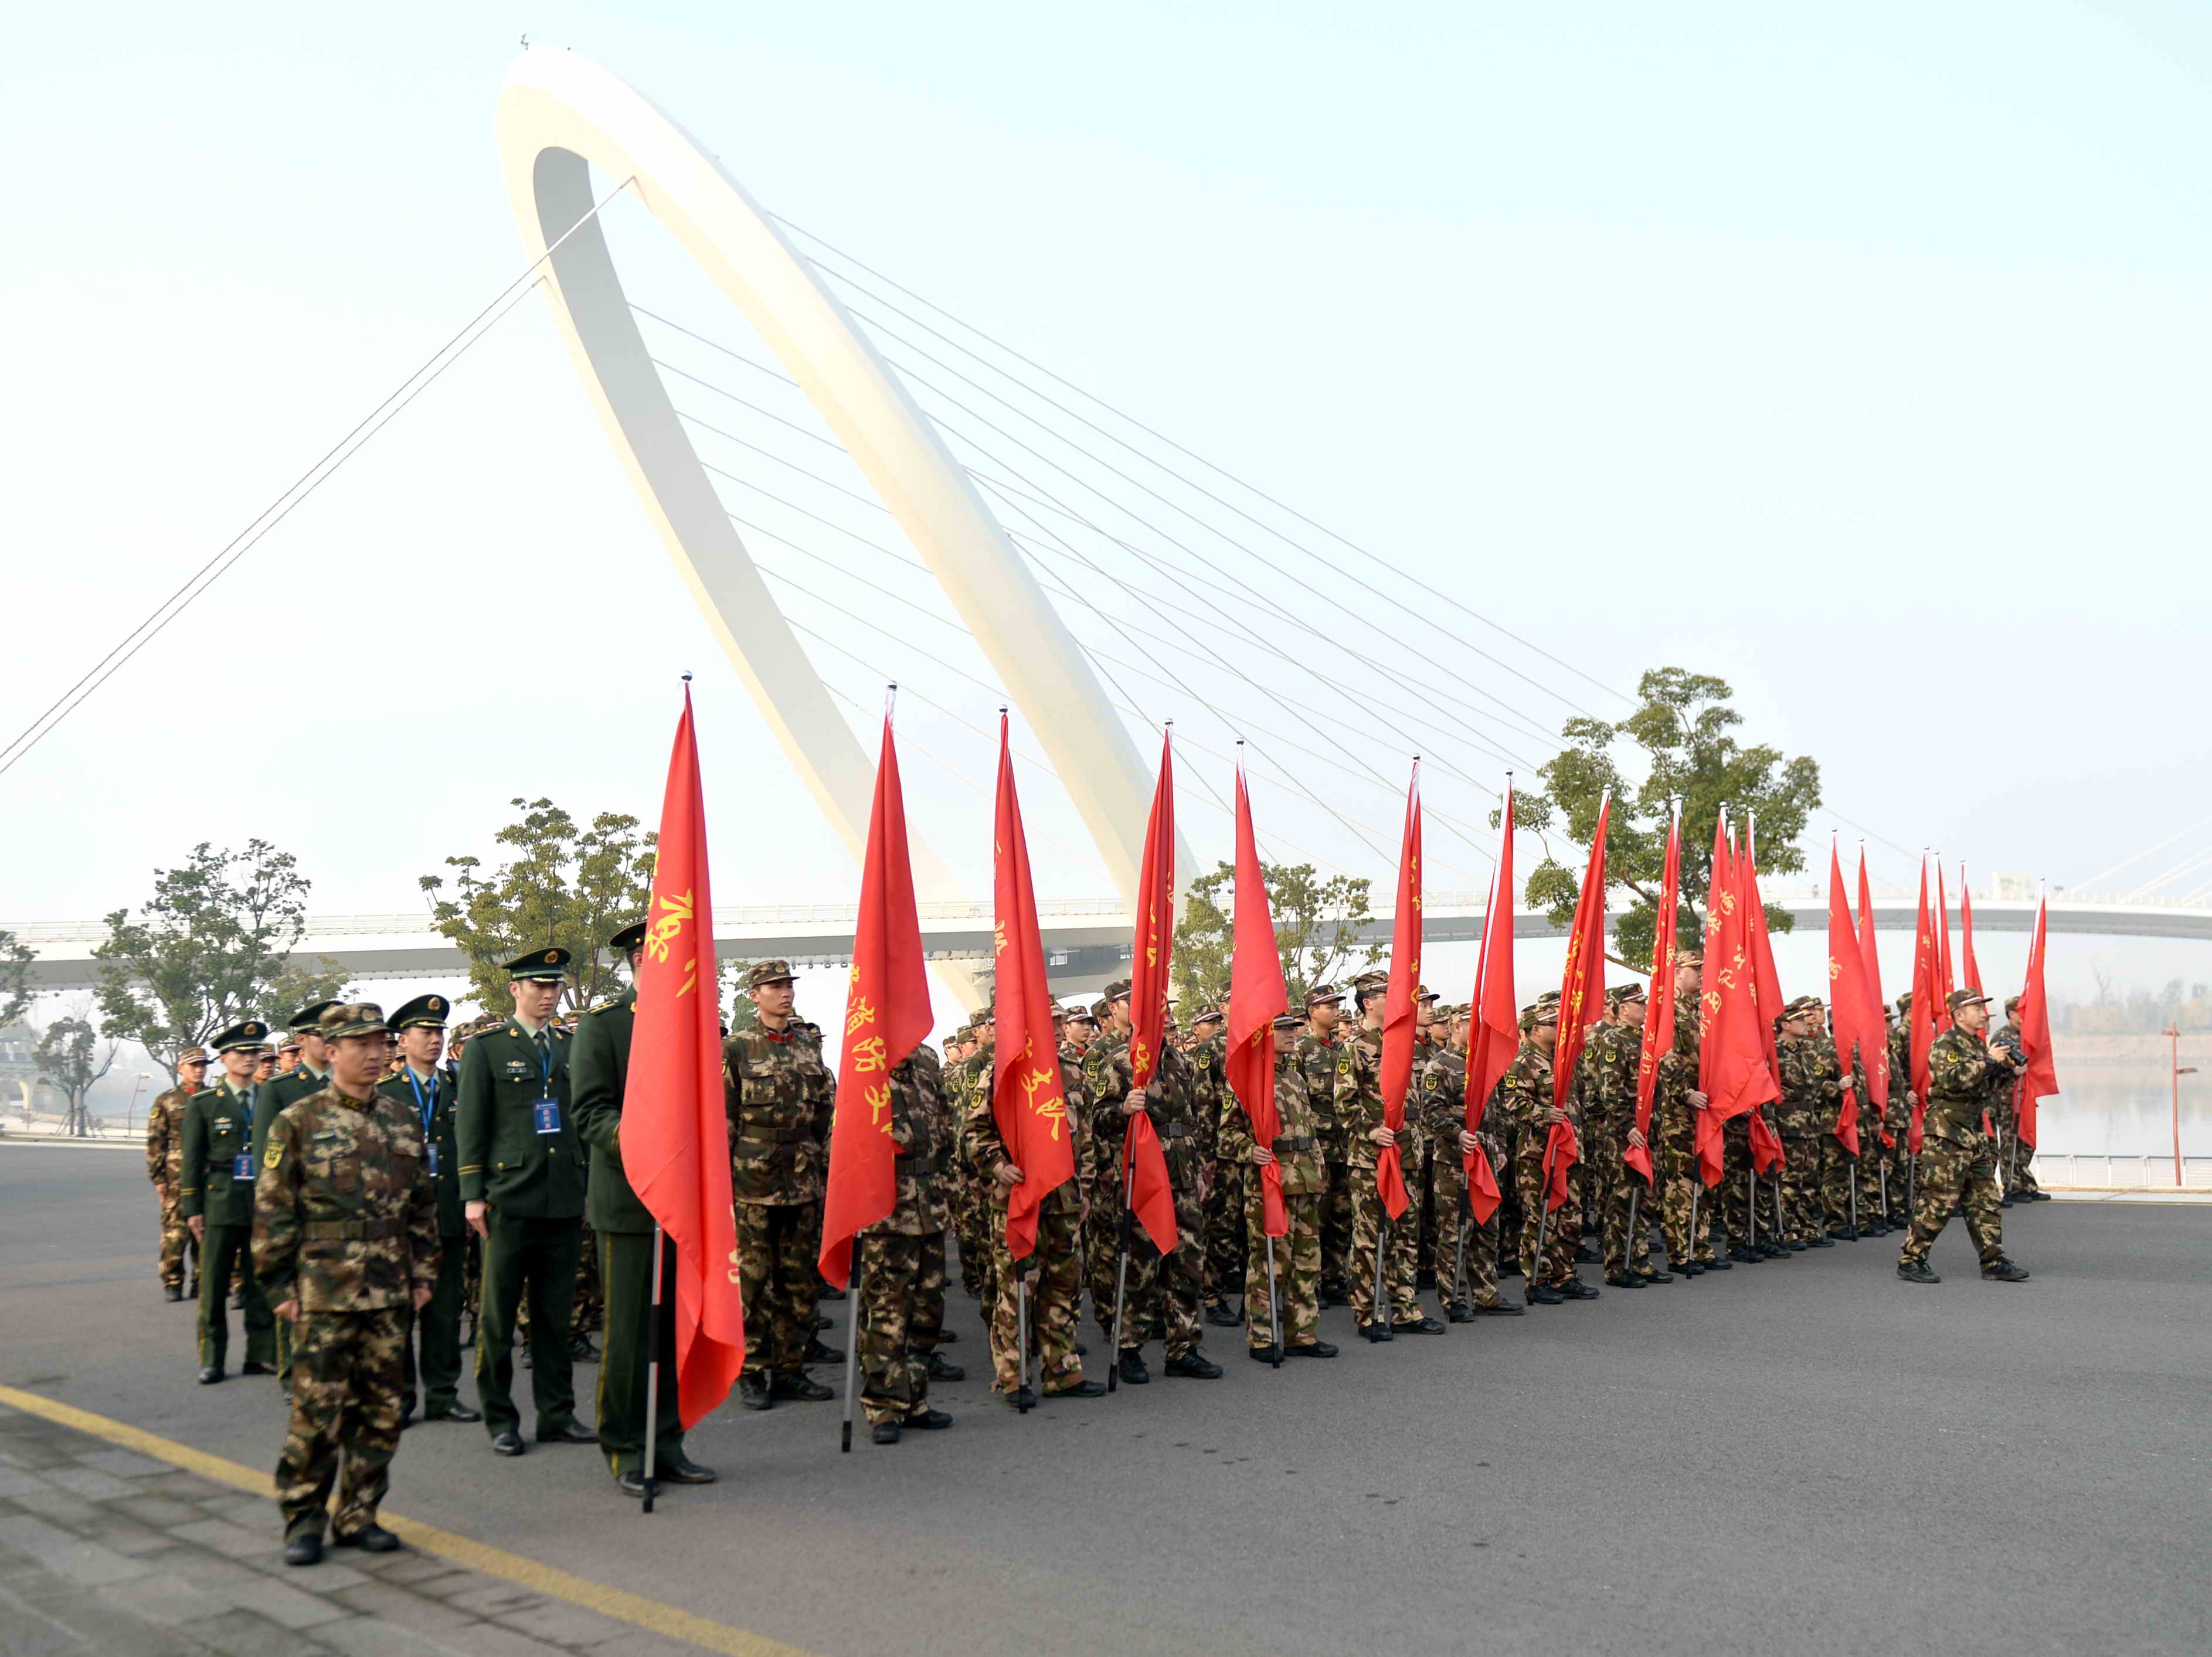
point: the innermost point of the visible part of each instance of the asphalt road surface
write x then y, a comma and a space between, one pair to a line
1802, 1456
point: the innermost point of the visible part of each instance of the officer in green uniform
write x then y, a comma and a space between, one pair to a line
215, 1193
522, 1174
428, 1089
598, 1070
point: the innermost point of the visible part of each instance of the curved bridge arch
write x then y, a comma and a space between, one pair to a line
558, 115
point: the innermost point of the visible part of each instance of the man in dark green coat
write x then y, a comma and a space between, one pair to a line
522, 1172
428, 1091
215, 1193
627, 1231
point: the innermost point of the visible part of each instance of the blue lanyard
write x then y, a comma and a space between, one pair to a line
545, 1061
245, 1098
427, 1104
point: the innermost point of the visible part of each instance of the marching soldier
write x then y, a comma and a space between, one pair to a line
165, 1163
522, 1172
1958, 1162
599, 1070
902, 1260
1358, 1088
1611, 1062
1296, 1152
346, 1245
307, 1073
1316, 1055
427, 1089
215, 1193
780, 1095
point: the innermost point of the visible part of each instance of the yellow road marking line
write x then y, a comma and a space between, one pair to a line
617, 1603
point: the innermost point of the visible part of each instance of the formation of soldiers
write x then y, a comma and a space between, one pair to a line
350, 1174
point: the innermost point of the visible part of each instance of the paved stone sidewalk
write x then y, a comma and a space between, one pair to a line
107, 1552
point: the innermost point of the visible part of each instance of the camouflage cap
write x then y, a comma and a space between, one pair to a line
1424, 993
1288, 1021
1324, 995
1080, 1014
1212, 1016
1540, 1012
1904, 1004
250, 1034
761, 974
538, 965
289, 1044
309, 1021
1058, 1013
1368, 986
1965, 998
1119, 990
2011, 1005
428, 1011
1100, 1011
631, 937
1689, 955
193, 1056
342, 1019
1631, 991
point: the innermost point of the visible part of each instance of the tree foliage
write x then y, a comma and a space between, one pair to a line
16, 959
563, 887
211, 946
70, 1055
1682, 737
1318, 925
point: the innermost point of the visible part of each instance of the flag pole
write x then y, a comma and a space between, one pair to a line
1022, 1394
1121, 1275
1274, 1300
652, 1375
851, 1348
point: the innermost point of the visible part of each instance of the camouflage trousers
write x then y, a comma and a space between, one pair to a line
1102, 1259
1561, 1228
2014, 1173
1800, 1183
971, 1197
1296, 1254
1467, 1254
1737, 1185
225, 1248
1054, 1275
1399, 1274
1164, 1297
176, 1239
1610, 1184
1839, 1173
625, 1362
1336, 1228
345, 1407
1225, 1251
1681, 1193
588, 1310
1956, 1174
902, 1312
775, 1277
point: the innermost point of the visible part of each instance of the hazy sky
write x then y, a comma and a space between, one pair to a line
1857, 358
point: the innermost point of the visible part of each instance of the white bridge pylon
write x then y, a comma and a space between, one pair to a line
559, 114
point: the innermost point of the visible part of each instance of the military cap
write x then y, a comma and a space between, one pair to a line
193, 1056
309, 1018
631, 937
289, 1044
1904, 1005
1288, 1021
1119, 990
1058, 1013
1082, 1015
1630, 991
2011, 1005
539, 965
427, 1011
1322, 995
1367, 985
1540, 1012
1100, 1011
1965, 998
1790, 1009
1212, 1016
1689, 955
1424, 993
342, 1019
240, 1037
761, 974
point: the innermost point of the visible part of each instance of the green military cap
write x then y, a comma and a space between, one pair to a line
1965, 998
1119, 990
1904, 1005
1689, 955
1322, 995
1080, 1014
761, 974
1548, 998
309, 1018
1368, 983
289, 1044
1540, 1012
2011, 1005
1630, 991
192, 1056
1288, 1021
1100, 1011
631, 937
1424, 993
251, 1035
342, 1019
427, 1011
1212, 1016
1058, 1013
539, 965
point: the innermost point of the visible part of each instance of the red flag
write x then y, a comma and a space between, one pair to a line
1496, 1034
1026, 1097
1766, 988
887, 1016
1966, 962
1945, 982
1732, 1070
1256, 999
1145, 1184
1874, 1057
1400, 1006
1660, 1014
1582, 993
2033, 1018
1847, 1001
1765, 1146
1926, 996
675, 1137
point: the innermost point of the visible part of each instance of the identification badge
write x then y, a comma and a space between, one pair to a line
546, 1114
434, 1161
241, 1166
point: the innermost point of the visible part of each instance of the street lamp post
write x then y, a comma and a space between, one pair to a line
2173, 1037
132, 1109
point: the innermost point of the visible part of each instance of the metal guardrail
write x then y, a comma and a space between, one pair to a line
2111, 1173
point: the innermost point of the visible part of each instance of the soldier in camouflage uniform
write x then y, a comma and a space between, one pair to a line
1608, 1088
901, 1264
779, 1094
1163, 1294
215, 1193
1675, 1106
346, 1247
165, 1162
1316, 1055
1812, 1091
1428, 1040
1467, 1253
1898, 1158
2015, 1154
1359, 1111
1958, 1161
1216, 1106
309, 1073
1839, 1168
1295, 1151
1525, 1097
1053, 1267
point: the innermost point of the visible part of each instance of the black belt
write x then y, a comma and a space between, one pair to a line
349, 1230
1176, 1130
776, 1136
1292, 1145
914, 1162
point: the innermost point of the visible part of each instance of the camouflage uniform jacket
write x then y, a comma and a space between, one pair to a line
1963, 1079
1297, 1139
1315, 1058
1677, 1079
1524, 1093
1211, 1104
778, 1095
2008, 1037
217, 1131
1440, 1088
1901, 1062
987, 1150
344, 1216
1610, 1065
922, 1123
1812, 1086
165, 1140
1168, 1101
1359, 1100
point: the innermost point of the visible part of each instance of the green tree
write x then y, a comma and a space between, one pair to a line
16, 959
211, 946
564, 886
70, 1055
1683, 736
1318, 923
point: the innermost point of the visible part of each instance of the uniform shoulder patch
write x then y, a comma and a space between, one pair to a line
273, 1155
